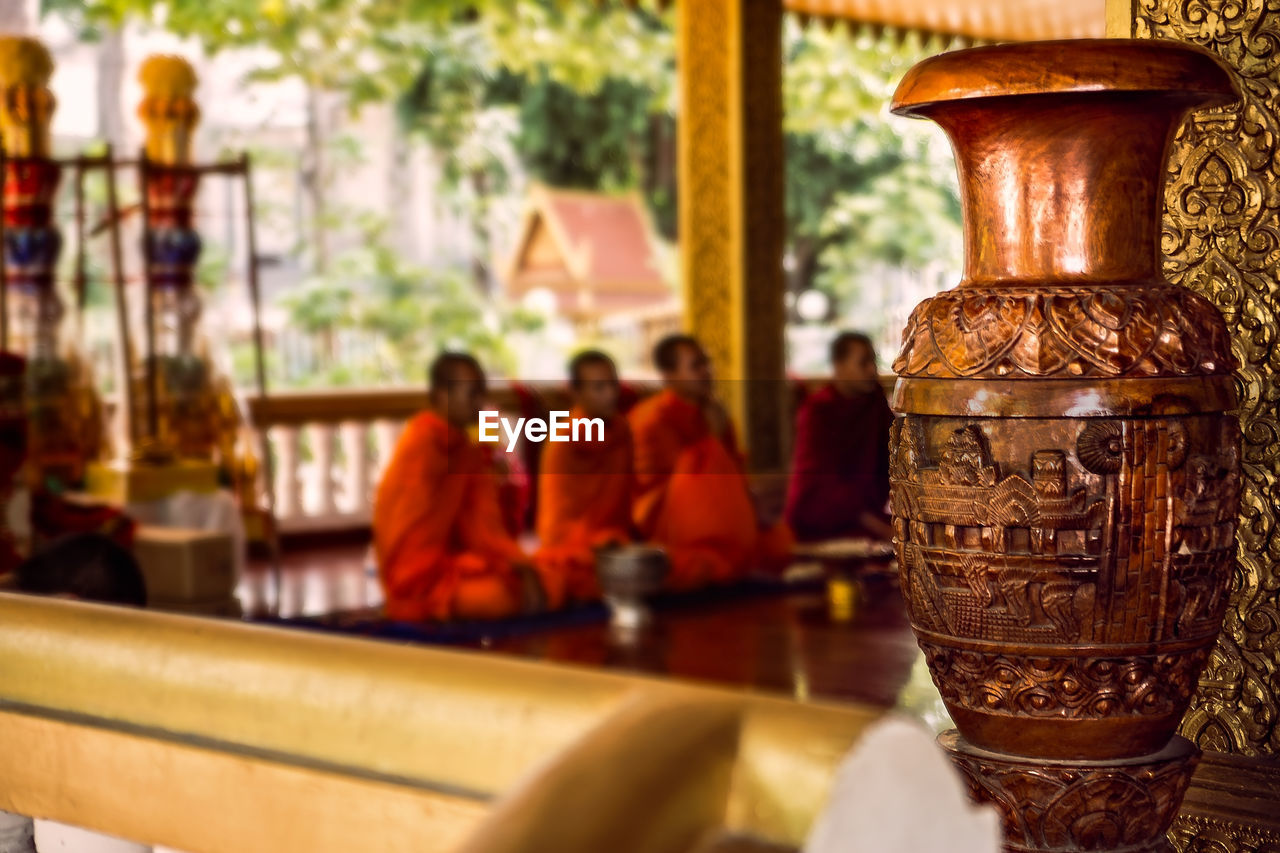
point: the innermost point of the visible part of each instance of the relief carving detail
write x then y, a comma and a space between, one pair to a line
1124, 807
998, 332
1119, 540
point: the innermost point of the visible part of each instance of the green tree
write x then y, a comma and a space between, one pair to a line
319, 308
403, 312
578, 95
822, 171
864, 190
528, 86
595, 88
361, 50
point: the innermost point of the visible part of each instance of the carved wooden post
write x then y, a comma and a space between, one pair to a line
732, 224
1221, 238
1066, 473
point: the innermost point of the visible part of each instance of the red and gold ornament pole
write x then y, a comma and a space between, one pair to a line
174, 372
189, 429
62, 410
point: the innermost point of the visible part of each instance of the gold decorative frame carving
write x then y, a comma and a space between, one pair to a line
1222, 239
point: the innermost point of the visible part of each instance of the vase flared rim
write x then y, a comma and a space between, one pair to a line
1153, 67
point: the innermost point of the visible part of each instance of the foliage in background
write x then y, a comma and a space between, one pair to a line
361, 51
366, 49
526, 91
930, 235
865, 190
380, 320
572, 94
595, 91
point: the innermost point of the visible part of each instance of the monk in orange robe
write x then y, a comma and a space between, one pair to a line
442, 547
692, 494
585, 484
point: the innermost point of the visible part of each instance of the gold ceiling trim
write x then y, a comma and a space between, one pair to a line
964, 20
971, 20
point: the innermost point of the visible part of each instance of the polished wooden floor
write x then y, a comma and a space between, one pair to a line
847, 640
795, 643
313, 581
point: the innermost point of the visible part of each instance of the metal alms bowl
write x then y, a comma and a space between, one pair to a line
628, 574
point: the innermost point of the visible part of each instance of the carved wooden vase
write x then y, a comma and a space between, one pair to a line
1065, 470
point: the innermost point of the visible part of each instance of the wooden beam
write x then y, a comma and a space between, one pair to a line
973, 20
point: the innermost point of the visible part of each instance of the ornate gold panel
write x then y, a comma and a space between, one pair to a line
1221, 238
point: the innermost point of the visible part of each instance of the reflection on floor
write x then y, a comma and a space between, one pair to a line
794, 642
814, 642
313, 581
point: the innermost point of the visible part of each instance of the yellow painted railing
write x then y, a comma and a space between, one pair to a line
212, 736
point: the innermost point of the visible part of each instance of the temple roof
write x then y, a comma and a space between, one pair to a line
596, 252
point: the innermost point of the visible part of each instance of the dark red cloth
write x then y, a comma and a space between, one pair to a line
53, 517
840, 469
628, 397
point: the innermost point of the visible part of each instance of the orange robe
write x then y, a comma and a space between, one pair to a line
584, 502
692, 496
442, 547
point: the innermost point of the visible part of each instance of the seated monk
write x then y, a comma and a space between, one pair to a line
840, 470
585, 485
442, 547
692, 495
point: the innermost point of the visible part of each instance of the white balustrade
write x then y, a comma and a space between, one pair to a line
355, 468
348, 438
320, 437
334, 488
385, 435
286, 444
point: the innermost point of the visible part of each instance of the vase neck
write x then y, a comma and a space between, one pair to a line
1061, 188
1061, 150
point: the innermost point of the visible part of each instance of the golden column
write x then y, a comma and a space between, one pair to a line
1222, 239
732, 221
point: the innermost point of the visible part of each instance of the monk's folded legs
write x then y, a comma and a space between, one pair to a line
487, 596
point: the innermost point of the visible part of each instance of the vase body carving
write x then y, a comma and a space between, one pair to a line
1065, 468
